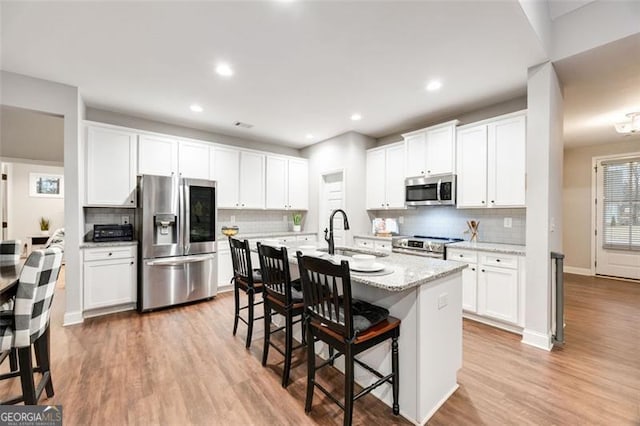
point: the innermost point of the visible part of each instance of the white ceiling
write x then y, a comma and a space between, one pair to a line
600, 86
300, 67
558, 8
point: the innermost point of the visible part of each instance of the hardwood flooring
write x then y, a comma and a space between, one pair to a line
183, 366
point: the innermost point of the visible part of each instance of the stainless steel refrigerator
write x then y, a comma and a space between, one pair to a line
176, 222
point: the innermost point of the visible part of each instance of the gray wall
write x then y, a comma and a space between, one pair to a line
577, 201
31, 135
348, 152
118, 119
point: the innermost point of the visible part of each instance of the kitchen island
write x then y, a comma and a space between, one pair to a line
426, 294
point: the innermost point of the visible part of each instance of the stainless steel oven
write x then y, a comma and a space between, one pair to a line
436, 190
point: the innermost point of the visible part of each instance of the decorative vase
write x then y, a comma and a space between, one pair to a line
297, 228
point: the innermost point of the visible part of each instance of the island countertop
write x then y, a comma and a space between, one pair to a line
401, 271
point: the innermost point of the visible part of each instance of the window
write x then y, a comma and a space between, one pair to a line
43, 185
621, 204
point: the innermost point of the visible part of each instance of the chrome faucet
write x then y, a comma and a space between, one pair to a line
329, 231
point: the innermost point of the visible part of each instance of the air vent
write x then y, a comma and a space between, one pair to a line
243, 125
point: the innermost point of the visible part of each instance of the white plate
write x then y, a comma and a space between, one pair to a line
373, 268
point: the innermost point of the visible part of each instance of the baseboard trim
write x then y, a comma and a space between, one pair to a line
109, 310
578, 271
72, 318
537, 339
225, 288
438, 405
493, 323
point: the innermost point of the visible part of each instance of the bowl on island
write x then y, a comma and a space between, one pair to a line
230, 231
363, 260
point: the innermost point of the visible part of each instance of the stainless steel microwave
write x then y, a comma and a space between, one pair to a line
435, 190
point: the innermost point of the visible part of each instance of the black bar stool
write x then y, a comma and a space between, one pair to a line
347, 325
283, 298
247, 279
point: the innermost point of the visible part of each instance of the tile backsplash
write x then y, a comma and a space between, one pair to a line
441, 221
255, 221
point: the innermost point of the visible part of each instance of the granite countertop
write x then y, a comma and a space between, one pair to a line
249, 236
408, 271
94, 244
372, 237
491, 247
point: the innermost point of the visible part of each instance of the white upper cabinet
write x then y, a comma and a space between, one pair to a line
157, 155
193, 160
506, 150
385, 177
472, 167
431, 151
110, 167
252, 183
491, 162
298, 179
277, 183
226, 171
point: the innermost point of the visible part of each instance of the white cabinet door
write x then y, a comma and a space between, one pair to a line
109, 283
376, 181
251, 180
225, 267
364, 243
472, 167
276, 183
416, 152
226, 171
110, 167
498, 293
394, 174
506, 160
384, 246
193, 160
439, 150
298, 184
470, 288
157, 155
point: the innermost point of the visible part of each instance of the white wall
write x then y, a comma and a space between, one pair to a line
24, 211
348, 152
54, 98
544, 199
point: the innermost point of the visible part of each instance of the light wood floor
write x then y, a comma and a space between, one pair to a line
182, 366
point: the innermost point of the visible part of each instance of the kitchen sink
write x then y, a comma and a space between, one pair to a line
350, 251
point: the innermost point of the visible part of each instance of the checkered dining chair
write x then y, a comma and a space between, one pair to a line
29, 324
10, 252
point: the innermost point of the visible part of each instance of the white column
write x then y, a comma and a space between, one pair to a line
544, 199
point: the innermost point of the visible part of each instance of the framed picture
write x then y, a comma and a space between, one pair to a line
46, 185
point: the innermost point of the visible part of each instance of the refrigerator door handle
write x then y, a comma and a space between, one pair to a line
178, 261
186, 216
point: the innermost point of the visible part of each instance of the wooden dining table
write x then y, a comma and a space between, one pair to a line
9, 275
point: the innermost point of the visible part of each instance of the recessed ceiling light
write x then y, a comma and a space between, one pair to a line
196, 108
434, 85
224, 70
309, 136
356, 117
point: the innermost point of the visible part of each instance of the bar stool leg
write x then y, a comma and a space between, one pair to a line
348, 386
288, 333
26, 376
13, 360
41, 347
267, 331
250, 325
396, 376
236, 296
311, 369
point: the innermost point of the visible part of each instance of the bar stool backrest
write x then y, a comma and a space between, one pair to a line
10, 252
276, 277
241, 260
326, 288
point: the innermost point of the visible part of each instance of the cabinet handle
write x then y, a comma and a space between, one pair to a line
110, 254
422, 172
497, 260
492, 201
131, 201
132, 263
482, 270
242, 204
462, 255
236, 204
387, 204
428, 171
473, 269
482, 201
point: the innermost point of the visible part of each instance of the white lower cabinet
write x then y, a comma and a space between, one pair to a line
373, 244
225, 267
310, 238
109, 277
492, 285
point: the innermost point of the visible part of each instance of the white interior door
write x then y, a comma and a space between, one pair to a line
618, 218
332, 198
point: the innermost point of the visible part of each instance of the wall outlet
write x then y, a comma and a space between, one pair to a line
400, 220
508, 222
284, 217
443, 300
124, 220
233, 219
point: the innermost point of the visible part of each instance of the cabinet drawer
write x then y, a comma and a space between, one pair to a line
311, 238
109, 253
462, 255
382, 245
500, 260
361, 242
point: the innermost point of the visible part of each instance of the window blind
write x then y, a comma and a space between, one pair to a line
621, 204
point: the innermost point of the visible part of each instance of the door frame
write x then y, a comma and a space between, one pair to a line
343, 171
594, 193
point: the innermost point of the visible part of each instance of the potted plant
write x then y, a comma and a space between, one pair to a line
297, 222
44, 226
